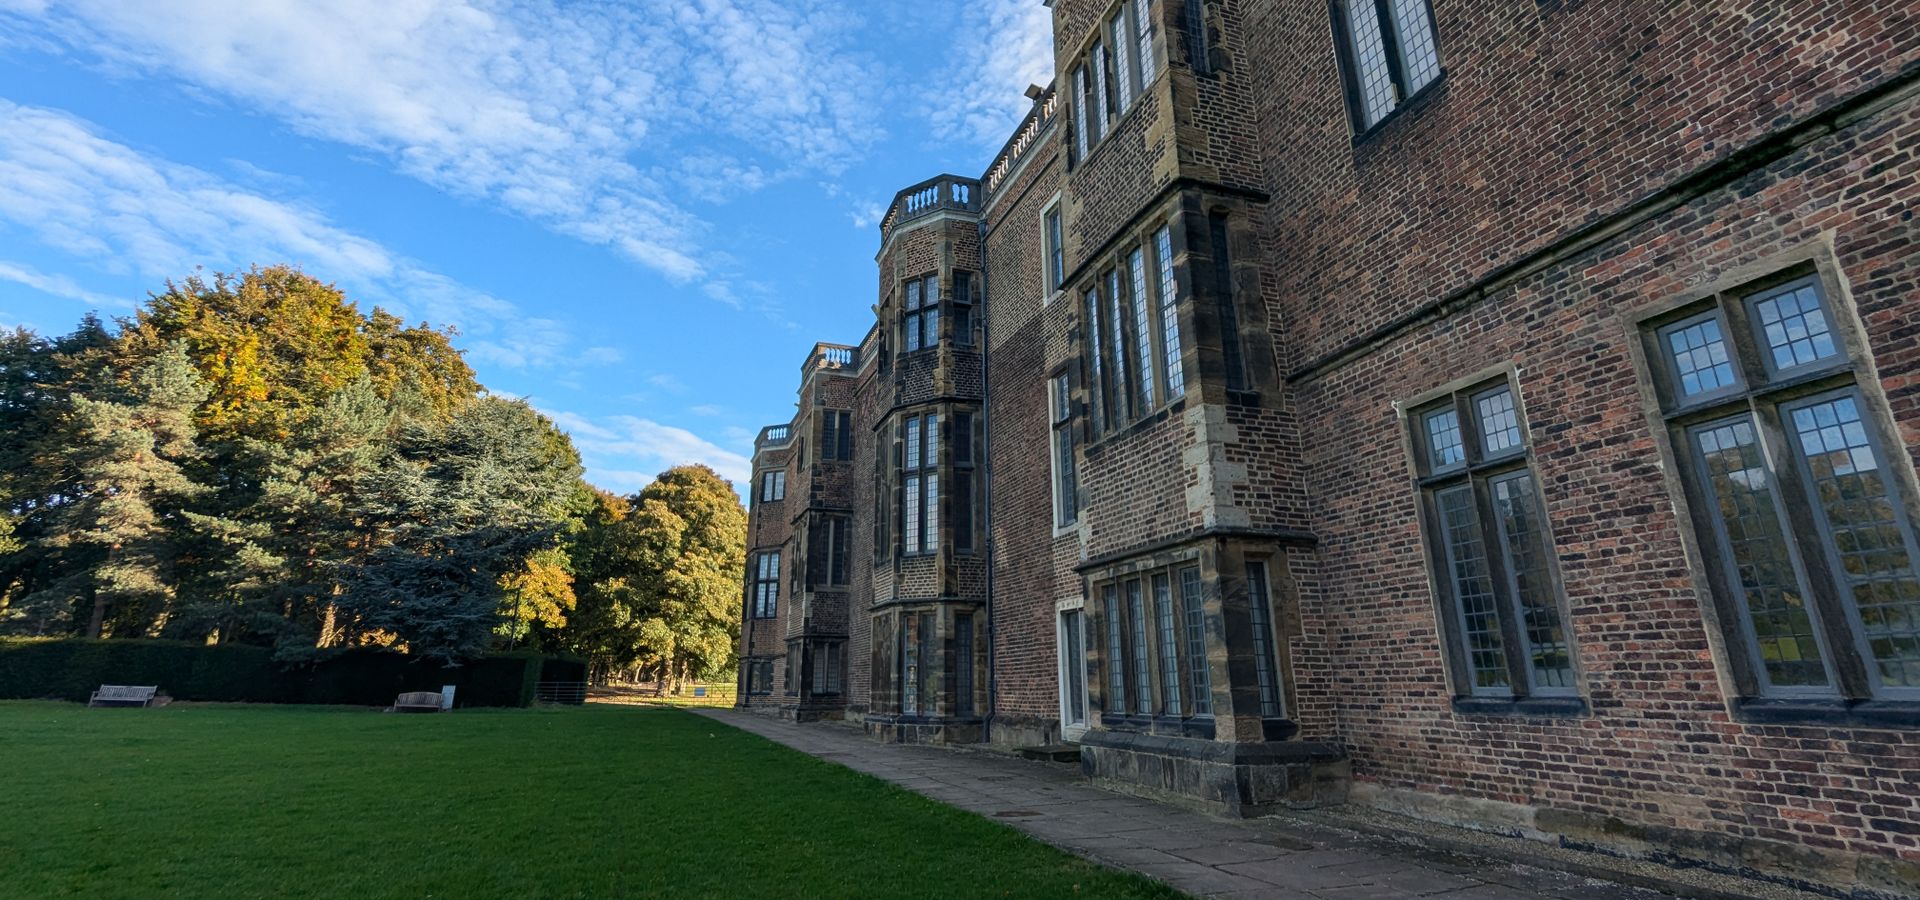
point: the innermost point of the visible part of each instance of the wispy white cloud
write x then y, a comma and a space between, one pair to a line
1004, 46
600, 121
128, 213
708, 410
58, 286
625, 452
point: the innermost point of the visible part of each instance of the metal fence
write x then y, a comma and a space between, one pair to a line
572, 693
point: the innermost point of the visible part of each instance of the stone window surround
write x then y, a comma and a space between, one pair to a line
1525, 699
1740, 682
1083, 85
952, 489
1096, 278
1171, 560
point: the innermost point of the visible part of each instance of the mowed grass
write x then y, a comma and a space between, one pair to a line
253, 801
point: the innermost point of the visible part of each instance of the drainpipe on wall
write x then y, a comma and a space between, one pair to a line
986, 441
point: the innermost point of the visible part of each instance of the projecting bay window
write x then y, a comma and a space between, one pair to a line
759, 676
1155, 665
1266, 659
1113, 73
1066, 483
1488, 542
963, 481
828, 660
828, 540
1801, 492
773, 486
920, 484
1388, 54
920, 322
766, 584
965, 287
836, 435
1131, 335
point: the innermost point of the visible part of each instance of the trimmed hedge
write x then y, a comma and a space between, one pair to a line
70, 669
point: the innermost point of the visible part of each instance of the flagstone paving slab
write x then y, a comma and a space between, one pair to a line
1202, 855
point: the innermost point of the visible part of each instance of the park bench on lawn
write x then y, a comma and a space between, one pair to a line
123, 695
417, 701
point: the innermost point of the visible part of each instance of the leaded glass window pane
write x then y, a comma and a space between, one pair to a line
1700, 357
1142, 319
1266, 664
1775, 601
1143, 28
1169, 313
1472, 588
1444, 446
1794, 327
1169, 634
1097, 119
1116, 660
1120, 367
1199, 678
1419, 61
1122, 73
1516, 510
933, 512
1374, 80
1142, 671
1499, 421
910, 526
1865, 534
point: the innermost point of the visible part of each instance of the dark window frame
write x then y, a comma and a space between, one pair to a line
1766, 397
836, 435
1062, 447
1393, 49
1142, 682
773, 485
920, 301
766, 585
1480, 472
922, 489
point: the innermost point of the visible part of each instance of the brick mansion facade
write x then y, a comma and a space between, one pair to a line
1501, 413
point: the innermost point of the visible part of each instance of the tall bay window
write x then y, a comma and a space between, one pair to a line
836, 435
920, 322
828, 541
1155, 664
1056, 247
920, 484
1488, 542
1066, 482
1132, 338
1113, 73
1388, 53
766, 584
1801, 490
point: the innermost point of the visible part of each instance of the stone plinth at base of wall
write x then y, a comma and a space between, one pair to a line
1824, 871
812, 712
1008, 732
1238, 779
916, 730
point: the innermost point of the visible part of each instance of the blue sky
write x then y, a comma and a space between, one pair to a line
639, 214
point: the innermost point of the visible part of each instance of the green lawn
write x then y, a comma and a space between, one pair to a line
251, 801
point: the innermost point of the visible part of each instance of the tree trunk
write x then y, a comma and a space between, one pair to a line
99, 613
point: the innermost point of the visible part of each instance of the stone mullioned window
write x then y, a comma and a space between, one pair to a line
1493, 565
1802, 501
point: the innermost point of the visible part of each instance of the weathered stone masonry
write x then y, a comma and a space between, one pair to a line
1310, 428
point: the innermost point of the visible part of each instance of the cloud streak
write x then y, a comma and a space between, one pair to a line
1006, 46
123, 211
599, 121
624, 453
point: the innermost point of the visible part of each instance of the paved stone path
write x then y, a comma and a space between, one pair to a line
1198, 854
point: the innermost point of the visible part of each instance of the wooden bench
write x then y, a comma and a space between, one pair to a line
417, 702
123, 695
